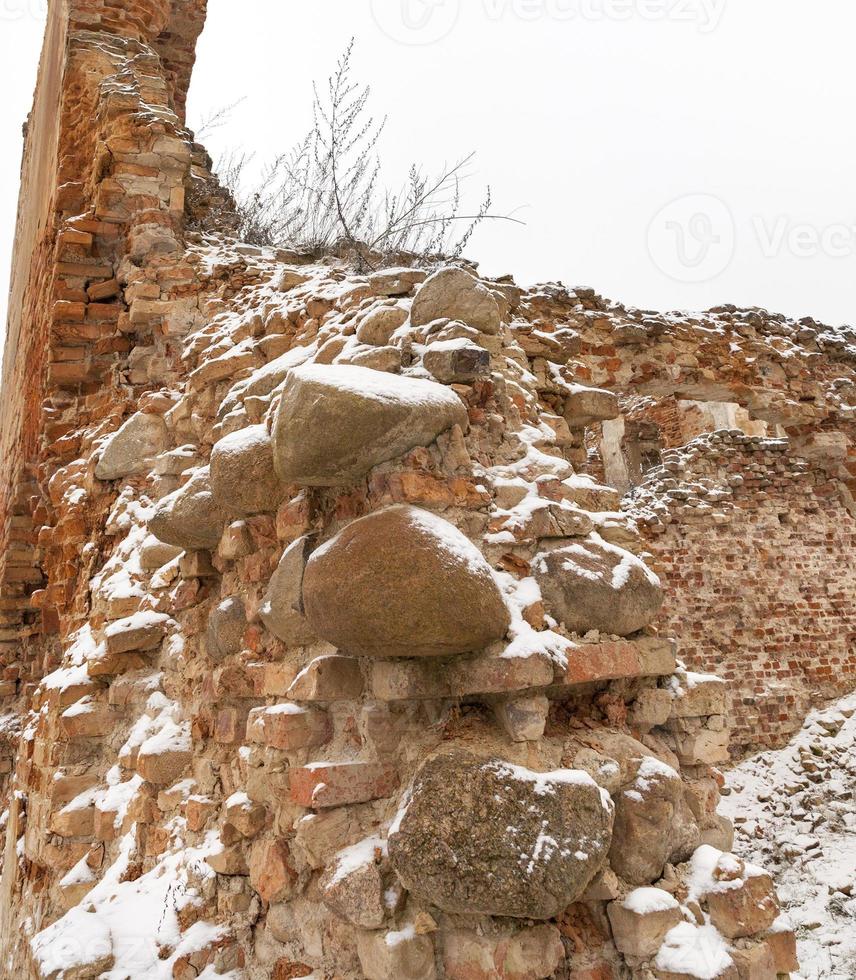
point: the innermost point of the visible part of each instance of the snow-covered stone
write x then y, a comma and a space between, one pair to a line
133, 447
335, 422
455, 294
190, 518
593, 585
484, 836
403, 582
243, 479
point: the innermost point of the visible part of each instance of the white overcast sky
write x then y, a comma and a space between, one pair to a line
668, 153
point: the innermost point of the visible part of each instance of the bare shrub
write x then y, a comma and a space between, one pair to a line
325, 194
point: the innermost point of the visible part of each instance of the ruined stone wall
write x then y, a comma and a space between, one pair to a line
755, 548
309, 661
325, 656
757, 568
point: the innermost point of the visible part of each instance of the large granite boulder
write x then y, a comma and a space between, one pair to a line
130, 449
455, 294
403, 583
478, 836
243, 478
190, 518
335, 422
592, 585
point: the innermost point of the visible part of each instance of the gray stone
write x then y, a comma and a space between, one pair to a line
595, 586
155, 554
131, 449
380, 324
396, 282
227, 624
282, 608
243, 478
644, 813
456, 361
482, 836
585, 406
335, 422
455, 294
190, 518
403, 583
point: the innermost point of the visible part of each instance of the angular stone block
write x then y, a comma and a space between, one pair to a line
640, 922
131, 449
326, 784
399, 955
585, 406
142, 631
271, 871
288, 727
530, 954
336, 422
744, 910
456, 361
329, 678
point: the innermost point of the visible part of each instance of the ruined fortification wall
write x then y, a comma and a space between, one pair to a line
102, 179
324, 656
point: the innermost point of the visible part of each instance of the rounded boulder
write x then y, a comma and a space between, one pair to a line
455, 294
403, 583
243, 477
478, 836
190, 518
593, 585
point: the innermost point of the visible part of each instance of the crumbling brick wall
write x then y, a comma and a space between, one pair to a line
755, 547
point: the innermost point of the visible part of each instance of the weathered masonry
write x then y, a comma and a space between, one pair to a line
333, 638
